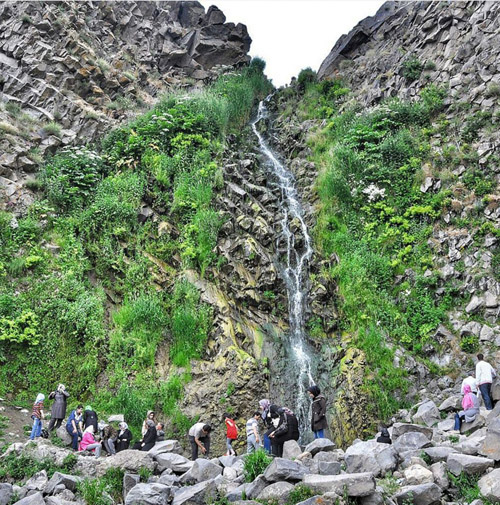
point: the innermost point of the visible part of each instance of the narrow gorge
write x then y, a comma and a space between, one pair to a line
178, 234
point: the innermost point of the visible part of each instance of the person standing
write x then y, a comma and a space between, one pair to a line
73, 426
37, 416
199, 438
284, 427
58, 411
484, 377
264, 406
253, 436
90, 418
318, 418
231, 434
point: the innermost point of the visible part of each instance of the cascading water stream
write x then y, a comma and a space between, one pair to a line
294, 272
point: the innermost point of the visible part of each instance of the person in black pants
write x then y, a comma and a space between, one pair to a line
90, 419
124, 437
149, 439
285, 427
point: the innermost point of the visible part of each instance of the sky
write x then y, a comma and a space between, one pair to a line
291, 35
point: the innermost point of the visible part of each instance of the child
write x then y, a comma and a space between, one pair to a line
37, 416
231, 434
253, 437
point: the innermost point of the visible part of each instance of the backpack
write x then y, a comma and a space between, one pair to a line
44, 433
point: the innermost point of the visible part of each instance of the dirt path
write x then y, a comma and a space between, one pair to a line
12, 430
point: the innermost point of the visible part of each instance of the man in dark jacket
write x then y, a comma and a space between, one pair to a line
319, 422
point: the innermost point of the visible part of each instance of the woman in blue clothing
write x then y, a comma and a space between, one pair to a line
73, 426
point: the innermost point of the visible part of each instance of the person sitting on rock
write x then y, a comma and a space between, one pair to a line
199, 438
89, 443
73, 426
149, 439
470, 406
471, 381
150, 416
231, 433
108, 437
385, 437
37, 416
319, 422
285, 427
58, 411
90, 419
124, 437
160, 432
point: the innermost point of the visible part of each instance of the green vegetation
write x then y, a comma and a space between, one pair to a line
411, 68
255, 463
91, 287
299, 493
19, 468
467, 488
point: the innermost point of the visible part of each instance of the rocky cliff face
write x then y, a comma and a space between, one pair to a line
71, 70
397, 53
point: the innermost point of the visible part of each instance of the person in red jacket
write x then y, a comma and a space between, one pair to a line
231, 434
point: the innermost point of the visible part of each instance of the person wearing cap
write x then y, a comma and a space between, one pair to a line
319, 422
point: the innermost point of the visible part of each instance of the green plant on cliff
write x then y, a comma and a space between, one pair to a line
411, 68
92, 272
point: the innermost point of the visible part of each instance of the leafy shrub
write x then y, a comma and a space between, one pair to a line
411, 68
306, 77
70, 178
254, 464
94, 492
469, 344
22, 329
113, 479
299, 493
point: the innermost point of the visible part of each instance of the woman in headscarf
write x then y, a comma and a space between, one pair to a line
284, 427
149, 438
470, 406
90, 418
58, 411
318, 418
264, 406
37, 416
385, 437
124, 437
150, 416
89, 443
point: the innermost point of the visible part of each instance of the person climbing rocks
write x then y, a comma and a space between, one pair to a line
264, 406
58, 411
160, 432
253, 436
124, 437
319, 422
199, 438
385, 437
285, 427
231, 433
89, 419
73, 426
470, 406
149, 439
485, 374
150, 416
89, 443
37, 416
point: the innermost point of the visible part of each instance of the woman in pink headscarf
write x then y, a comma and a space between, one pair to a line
470, 406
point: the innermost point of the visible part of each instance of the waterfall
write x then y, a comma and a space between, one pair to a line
294, 272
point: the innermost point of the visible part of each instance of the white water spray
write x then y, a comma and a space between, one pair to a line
294, 272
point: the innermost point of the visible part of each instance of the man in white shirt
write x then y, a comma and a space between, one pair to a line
199, 438
484, 377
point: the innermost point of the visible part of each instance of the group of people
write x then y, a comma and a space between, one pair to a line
471, 385
82, 425
280, 425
